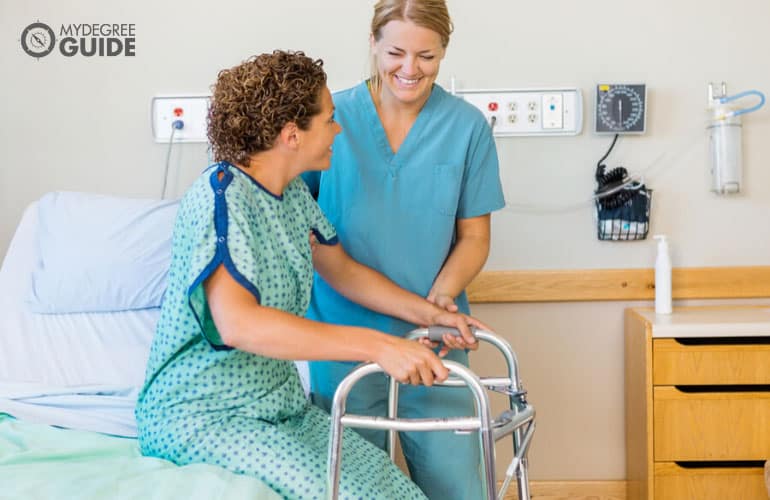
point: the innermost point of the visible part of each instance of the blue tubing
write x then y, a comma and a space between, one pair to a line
741, 95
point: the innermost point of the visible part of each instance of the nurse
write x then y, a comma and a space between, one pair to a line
412, 184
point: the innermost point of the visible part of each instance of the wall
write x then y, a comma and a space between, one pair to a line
83, 124
676, 48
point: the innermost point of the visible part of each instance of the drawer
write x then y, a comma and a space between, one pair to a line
673, 482
716, 363
710, 425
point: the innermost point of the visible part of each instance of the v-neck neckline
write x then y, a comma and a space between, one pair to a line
393, 160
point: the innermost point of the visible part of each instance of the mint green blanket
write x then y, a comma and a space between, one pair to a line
43, 462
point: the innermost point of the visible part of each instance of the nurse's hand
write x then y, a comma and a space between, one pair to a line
313, 242
443, 300
461, 322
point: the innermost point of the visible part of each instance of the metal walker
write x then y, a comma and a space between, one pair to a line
518, 421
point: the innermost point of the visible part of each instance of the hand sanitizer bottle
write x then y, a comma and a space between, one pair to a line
662, 277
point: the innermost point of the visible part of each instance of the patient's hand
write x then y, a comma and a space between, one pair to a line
410, 363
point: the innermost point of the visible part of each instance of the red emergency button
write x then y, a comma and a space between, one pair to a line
492, 106
178, 111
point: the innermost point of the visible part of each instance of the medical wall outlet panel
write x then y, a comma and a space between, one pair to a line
523, 112
184, 116
621, 108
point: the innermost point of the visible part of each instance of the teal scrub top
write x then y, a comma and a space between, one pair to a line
396, 212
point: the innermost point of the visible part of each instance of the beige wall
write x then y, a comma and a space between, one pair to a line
571, 362
83, 124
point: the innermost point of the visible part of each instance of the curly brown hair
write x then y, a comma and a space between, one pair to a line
252, 102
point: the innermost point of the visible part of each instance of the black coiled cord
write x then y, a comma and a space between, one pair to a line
610, 180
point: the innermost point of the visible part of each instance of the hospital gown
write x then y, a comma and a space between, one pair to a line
205, 402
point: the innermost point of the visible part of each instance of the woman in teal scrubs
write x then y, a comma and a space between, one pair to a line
412, 184
220, 386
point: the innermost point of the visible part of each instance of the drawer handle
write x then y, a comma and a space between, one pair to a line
694, 389
723, 464
724, 341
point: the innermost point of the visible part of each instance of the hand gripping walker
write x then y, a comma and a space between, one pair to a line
518, 421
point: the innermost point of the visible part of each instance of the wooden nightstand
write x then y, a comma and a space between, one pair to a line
697, 403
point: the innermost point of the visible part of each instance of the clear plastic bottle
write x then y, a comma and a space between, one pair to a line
662, 277
724, 139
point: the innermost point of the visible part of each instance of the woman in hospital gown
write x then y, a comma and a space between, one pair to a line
412, 184
220, 385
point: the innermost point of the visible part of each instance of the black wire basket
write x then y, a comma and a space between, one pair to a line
628, 221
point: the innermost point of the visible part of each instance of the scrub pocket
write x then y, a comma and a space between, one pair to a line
446, 188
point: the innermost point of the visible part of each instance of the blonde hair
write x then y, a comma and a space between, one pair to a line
430, 14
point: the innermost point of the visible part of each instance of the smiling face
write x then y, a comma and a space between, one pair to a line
408, 58
316, 141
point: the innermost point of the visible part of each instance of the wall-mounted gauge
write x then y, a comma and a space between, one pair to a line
620, 108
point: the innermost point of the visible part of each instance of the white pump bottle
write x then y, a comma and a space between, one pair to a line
662, 277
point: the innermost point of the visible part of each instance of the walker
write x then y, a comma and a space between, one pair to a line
518, 421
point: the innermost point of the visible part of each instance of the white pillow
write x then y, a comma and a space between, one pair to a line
63, 350
100, 253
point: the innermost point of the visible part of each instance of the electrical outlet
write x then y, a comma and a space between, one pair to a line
190, 111
523, 112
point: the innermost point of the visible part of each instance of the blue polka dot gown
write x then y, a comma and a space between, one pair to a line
203, 402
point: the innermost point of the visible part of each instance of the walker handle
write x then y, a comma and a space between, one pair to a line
436, 332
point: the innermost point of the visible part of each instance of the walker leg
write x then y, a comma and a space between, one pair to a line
522, 480
522, 474
488, 463
392, 413
335, 460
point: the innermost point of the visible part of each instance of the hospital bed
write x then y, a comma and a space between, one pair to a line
68, 381
80, 289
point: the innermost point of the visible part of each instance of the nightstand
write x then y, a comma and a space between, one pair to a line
697, 403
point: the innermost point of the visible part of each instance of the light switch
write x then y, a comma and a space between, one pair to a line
553, 111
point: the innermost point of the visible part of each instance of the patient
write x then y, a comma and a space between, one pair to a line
220, 385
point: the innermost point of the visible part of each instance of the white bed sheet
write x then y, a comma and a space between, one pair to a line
65, 349
105, 409
78, 370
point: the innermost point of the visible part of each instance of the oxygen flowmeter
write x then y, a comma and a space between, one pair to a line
724, 137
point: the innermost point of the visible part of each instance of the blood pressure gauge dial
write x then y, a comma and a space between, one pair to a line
620, 108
